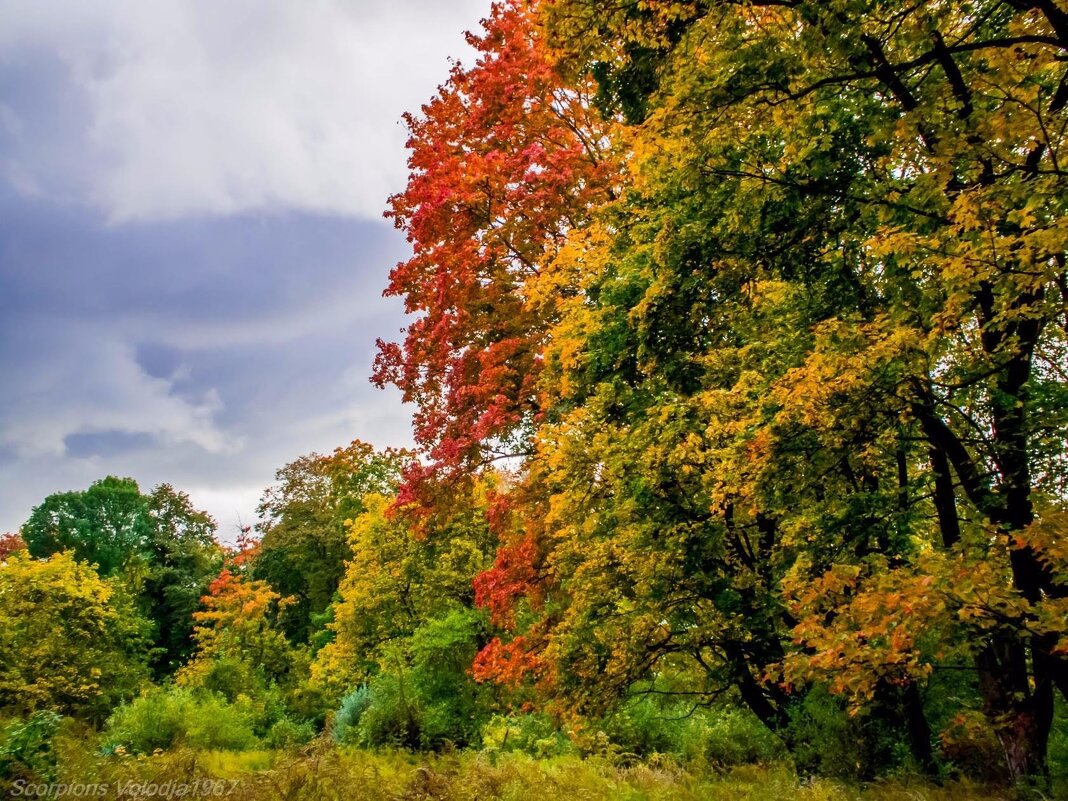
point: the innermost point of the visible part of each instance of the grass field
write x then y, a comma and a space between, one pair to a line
319, 773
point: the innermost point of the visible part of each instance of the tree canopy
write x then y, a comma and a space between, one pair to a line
71, 640
158, 544
738, 362
304, 521
799, 400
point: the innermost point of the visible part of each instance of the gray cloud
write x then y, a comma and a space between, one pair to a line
183, 107
191, 247
78, 379
204, 353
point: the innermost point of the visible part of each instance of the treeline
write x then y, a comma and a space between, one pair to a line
120, 609
739, 365
344, 617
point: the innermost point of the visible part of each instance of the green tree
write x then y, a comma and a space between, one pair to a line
158, 544
304, 518
106, 525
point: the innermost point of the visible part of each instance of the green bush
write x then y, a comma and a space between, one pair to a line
642, 726
449, 705
424, 696
230, 678
286, 733
175, 716
827, 741
720, 737
392, 716
393, 712
732, 737
27, 748
309, 704
345, 726
265, 701
263, 709
532, 734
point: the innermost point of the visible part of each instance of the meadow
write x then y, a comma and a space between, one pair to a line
325, 772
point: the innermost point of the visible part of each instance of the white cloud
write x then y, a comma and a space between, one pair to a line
232, 508
217, 108
86, 382
160, 110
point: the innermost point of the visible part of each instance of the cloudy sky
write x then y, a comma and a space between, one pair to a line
192, 251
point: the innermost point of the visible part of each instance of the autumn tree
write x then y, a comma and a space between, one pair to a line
72, 641
406, 629
504, 162
788, 380
240, 647
304, 526
159, 544
838, 284
403, 573
10, 543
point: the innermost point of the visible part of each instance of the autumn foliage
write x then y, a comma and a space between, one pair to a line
769, 301
737, 356
505, 161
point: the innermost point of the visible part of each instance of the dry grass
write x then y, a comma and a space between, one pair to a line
325, 774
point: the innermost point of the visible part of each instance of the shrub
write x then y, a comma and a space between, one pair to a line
646, 725
450, 704
827, 741
286, 733
27, 748
392, 715
344, 727
424, 696
642, 726
307, 703
227, 677
165, 718
529, 734
732, 737
262, 709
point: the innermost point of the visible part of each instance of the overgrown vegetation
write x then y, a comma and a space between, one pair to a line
765, 308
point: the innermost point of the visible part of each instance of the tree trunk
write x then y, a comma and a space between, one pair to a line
1021, 717
919, 730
